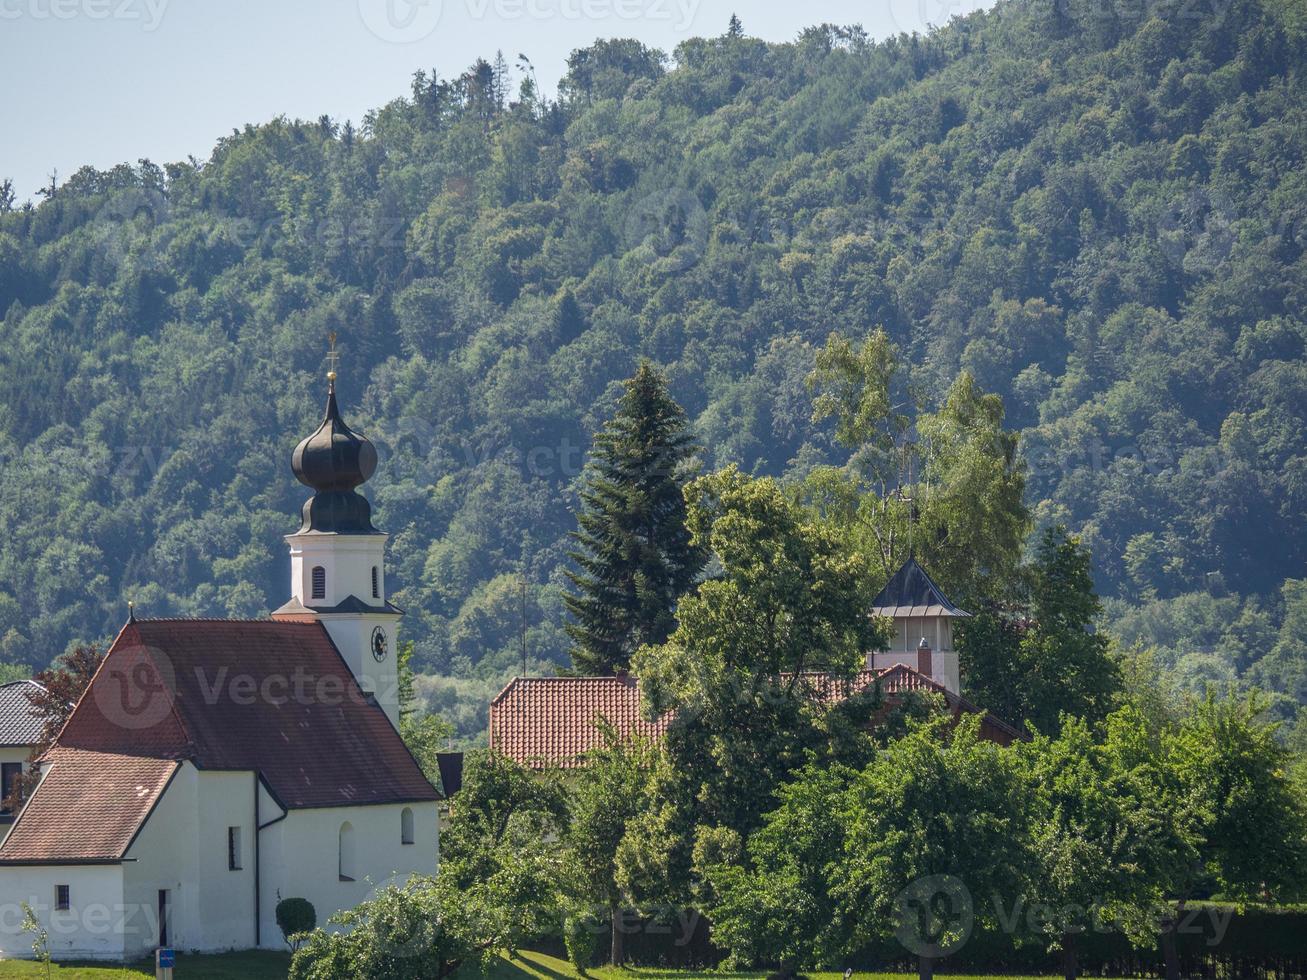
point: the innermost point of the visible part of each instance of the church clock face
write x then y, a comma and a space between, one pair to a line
379, 643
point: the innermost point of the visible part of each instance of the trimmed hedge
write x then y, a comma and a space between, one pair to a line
1255, 944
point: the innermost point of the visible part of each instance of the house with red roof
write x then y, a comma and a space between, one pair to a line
215, 767
546, 722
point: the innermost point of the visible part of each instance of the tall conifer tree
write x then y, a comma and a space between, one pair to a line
634, 554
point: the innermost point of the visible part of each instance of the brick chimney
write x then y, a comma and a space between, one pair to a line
923, 658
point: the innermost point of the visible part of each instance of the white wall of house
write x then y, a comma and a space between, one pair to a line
301, 857
92, 928
183, 848
15, 753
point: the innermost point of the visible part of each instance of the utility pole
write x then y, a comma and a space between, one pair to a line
522, 583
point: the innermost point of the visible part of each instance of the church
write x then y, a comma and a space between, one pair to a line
215, 767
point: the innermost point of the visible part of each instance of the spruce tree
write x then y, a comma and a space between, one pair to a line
634, 556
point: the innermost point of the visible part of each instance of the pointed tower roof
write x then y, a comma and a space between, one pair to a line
911, 592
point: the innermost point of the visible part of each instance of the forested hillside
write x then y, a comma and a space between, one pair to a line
1100, 210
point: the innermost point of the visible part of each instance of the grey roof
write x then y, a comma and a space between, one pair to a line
18, 725
912, 593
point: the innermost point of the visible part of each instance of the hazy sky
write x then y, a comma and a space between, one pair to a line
105, 81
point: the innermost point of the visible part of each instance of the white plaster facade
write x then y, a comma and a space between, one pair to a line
182, 849
352, 567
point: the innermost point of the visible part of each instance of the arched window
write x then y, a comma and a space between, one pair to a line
346, 852
406, 825
319, 582
376, 583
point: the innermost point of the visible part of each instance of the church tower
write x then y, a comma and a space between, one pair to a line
337, 558
923, 627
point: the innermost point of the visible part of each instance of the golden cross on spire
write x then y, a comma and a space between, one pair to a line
333, 359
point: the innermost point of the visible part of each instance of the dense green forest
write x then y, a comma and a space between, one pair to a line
1099, 210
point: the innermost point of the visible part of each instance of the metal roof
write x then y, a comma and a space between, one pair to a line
912, 593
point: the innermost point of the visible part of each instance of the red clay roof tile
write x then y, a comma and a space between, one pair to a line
273, 697
88, 807
543, 721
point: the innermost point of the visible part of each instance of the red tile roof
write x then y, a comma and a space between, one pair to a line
542, 721
88, 808
272, 697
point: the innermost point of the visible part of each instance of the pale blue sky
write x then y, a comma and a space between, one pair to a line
106, 81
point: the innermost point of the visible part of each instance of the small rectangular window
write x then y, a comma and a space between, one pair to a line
376, 584
62, 899
319, 582
9, 773
233, 848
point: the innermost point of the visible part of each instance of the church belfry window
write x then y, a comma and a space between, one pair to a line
319, 582
376, 583
406, 826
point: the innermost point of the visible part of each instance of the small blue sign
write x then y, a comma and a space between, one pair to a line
167, 958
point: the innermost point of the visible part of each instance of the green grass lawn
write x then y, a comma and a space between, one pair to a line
225, 966
272, 966
537, 966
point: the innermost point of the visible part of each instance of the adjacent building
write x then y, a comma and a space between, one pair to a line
20, 730
545, 722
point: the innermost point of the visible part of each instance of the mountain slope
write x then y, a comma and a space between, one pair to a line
1102, 216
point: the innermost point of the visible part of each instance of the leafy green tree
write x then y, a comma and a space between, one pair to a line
635, 554
1044, 658
1249, 826
945, 485
930, 806
424, 928
604, 798
776, 907
1100, 845
911, 846
786, 599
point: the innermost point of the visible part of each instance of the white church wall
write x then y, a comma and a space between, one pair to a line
347, 561
163, 857
226, 911
300, 856
92, 927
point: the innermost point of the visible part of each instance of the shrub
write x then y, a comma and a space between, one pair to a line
296, 916
579, 936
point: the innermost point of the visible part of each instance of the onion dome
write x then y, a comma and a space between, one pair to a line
335, 460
